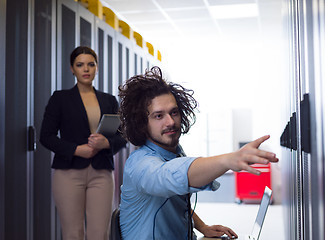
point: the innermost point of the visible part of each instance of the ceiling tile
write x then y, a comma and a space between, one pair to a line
180, 3
130, 5
245, 27
151, 17
154, 26
198, 13
227, 2
194, 23
162, 19
197, 27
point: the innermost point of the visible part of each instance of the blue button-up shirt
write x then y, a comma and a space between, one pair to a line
154, 194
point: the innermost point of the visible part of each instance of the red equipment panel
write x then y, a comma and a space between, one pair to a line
250, 187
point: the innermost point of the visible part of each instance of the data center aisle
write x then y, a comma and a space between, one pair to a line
240, 217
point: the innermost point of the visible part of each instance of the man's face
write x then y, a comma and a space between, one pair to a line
164, 122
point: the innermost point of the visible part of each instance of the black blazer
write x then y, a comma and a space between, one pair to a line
65, 114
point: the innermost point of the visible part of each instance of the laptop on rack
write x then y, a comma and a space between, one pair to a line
257, 227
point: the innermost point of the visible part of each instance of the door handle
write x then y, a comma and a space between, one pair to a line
31, 139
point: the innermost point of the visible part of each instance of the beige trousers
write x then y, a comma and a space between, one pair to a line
84, 193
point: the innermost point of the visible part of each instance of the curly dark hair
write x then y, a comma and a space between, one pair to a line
136, 95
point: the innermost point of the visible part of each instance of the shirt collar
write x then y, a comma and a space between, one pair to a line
167, 155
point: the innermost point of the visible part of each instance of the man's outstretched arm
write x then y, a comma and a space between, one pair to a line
205, 169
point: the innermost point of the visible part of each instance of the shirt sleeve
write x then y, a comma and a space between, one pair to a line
213, 186
155, 177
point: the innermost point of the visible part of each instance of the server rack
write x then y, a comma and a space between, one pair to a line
302, 138
44, 34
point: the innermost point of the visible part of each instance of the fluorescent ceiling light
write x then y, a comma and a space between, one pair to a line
234, 11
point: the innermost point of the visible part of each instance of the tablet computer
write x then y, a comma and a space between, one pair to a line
109, 124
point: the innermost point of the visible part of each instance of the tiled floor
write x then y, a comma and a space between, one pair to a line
240, 218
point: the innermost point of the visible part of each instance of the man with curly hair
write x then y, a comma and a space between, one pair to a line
158, 178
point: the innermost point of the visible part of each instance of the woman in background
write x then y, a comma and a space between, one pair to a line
83, 181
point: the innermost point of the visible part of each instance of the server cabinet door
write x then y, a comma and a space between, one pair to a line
85, 27
66, 41
2, 113
122, 72
100, 33
123, 57
104, 49
16, 158
44, 215
138, 60
110, 63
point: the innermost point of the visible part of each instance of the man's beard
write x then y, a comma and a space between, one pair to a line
171, 144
